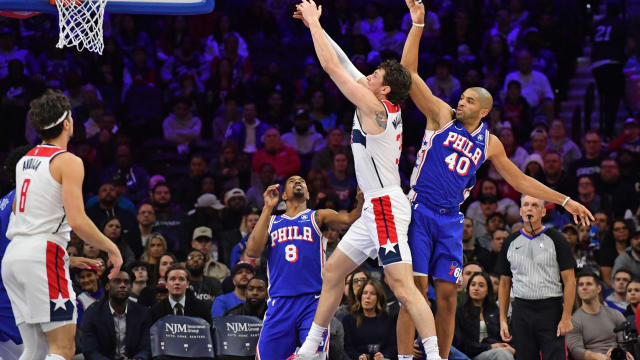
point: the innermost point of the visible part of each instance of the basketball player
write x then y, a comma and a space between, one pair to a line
296, 257
376, 142
47, 205
455, 145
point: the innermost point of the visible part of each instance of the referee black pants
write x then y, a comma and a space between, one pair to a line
534, 325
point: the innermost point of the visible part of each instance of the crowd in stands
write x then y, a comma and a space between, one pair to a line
183, 122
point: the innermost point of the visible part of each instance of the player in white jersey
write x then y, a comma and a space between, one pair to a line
381, 230
48, 204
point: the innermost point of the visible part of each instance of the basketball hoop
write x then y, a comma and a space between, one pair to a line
80, 24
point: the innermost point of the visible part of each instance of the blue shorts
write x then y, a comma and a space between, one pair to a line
8, 328
435, 240
286, 324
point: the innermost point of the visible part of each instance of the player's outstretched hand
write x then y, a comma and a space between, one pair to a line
115, 260
77, 262
416, 9
581, 215
271, 196
309, 11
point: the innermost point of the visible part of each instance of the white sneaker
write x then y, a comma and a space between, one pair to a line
297, 356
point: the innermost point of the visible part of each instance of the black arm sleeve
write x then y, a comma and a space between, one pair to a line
564, 256
503, 267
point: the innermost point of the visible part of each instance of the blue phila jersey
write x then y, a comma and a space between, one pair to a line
296, 255
446, 165
8, 328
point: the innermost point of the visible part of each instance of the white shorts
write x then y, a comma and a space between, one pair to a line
381, 230
35, 272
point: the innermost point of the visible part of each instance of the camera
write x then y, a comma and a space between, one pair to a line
373, 350
626, 338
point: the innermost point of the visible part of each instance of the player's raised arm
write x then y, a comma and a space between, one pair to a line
530, 186
328, 216
258, 237
430, 105
357, 93
72, 171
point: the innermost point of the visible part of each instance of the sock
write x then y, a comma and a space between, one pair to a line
405, 357
430, 345
311, 343
54, 357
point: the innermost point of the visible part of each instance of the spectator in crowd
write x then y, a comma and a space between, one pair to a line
505, 205
323, 159
488, 206
533, 166
206, 213
477, 332
155, 248
180, 301
587, 195
235, 201
612, 247
535, 85
618, 298
471, 249
140, 280
266, 178
559, 142
542, 308
135, 177
213, 267
601, 223
182, 127
91, 290
516, 153
468, 269
248, 133
443, 82
171, 220
539, 141
117, 328
146, 219
284, 159
256, 299
204, 288
554, 175
590, 163
517, 111
592, 335
353, 283
241, 274
241, 235
166, 261
112, 229
344, 185
190, 190
629, 258
607, 58
495, 221
303, 137
583, 252
107, 207
613, 190
629, 139
490, 258
633, 297
368, 328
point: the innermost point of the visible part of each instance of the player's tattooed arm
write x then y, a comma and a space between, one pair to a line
381, 119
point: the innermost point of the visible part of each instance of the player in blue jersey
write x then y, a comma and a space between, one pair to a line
455, 145
296, 255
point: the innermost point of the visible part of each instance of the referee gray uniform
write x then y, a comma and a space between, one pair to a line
534, 265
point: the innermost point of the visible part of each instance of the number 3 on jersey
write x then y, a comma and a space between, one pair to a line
23, 194
462, 166
291, 253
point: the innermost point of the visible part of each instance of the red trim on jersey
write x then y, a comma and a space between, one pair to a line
55, 271
385, 223
391, 108
44, 151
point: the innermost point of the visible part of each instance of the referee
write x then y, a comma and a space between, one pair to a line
535, 262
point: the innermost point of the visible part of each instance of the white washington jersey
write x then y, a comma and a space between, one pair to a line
376, 157
39, 209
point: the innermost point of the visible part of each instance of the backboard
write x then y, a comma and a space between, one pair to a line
151, 7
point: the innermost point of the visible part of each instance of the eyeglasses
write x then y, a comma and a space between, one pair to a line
359, 281
197, 257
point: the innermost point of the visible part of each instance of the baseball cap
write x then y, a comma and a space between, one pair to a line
235, 192
209, 200
202, 231
156, 179
242, 265
301, 113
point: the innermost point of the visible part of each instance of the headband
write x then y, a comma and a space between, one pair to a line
60, 119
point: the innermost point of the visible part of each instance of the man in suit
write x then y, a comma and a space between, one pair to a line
115, 327
180, 302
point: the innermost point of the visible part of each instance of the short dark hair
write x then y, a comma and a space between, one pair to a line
176, 266
398, 78
633, 280
161, 183
46, 110
624, 270
590, 274
498, 215
12, 160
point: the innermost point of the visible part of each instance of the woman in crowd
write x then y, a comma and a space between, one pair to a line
113, 230
163, 265
369, 331
352, 284
613, 246
477, 332
156, 247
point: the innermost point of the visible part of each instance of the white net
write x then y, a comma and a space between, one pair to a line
81, 24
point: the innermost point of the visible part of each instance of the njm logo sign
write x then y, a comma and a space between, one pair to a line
236, 326
174, 328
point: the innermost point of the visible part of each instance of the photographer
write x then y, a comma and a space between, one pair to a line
593, 336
